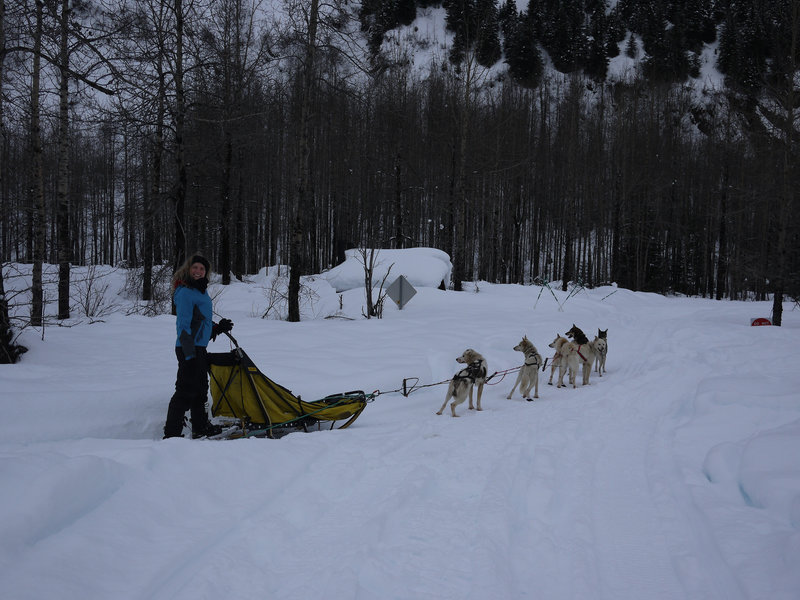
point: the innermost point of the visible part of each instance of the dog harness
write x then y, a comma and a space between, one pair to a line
477, 370
535, 358
474, 371
579, 353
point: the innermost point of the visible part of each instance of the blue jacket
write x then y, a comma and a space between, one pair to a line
194, 319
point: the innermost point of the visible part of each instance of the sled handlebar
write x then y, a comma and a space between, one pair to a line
233, 339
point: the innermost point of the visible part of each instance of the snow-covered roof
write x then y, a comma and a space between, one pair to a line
422, 267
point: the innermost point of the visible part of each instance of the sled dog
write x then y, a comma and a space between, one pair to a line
584, 351
601, 347
565, 359
463, 382
577, 335
528, 376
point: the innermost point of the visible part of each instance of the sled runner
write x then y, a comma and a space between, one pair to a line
260, 407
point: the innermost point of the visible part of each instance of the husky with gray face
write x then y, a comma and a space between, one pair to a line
528, 376
564, 359
601, 346
463, 382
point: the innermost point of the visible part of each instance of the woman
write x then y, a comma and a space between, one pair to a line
195, 328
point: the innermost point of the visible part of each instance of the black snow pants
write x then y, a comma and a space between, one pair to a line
191, 393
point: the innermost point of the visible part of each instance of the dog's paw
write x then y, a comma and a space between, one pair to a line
438, 412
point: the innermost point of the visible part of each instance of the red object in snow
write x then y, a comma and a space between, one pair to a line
760, 321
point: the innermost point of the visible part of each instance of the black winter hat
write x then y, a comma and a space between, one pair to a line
197, 258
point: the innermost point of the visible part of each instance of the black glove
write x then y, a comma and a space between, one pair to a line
224, 326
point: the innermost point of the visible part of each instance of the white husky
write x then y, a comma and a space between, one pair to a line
565, 359
601, 346
528, 376
584, 351
465, 380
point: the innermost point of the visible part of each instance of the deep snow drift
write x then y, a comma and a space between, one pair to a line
675, 475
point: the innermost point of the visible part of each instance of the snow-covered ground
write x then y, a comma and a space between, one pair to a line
675, 475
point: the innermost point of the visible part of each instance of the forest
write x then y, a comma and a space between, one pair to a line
286, 131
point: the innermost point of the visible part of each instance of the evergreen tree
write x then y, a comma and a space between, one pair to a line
742, 52
617, 32
379, 16
563, 33
460, 19
405, 11
487, 44
525, 64
476, 27
667, 59
697, 19
598, 43
663, 30
631, 48
507, 16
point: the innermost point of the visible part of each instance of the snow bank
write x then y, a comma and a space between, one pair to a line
423, 267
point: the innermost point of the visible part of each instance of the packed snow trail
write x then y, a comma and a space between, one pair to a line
666, 478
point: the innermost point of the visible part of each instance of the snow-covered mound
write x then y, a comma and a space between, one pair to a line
423, 267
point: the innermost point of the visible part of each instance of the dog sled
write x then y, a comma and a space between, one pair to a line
247, 403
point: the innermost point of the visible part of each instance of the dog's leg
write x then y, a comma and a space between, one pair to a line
471, 385
458, 397
446, 398
516, 383
480, 392
535, 383
525, 388
529, 385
